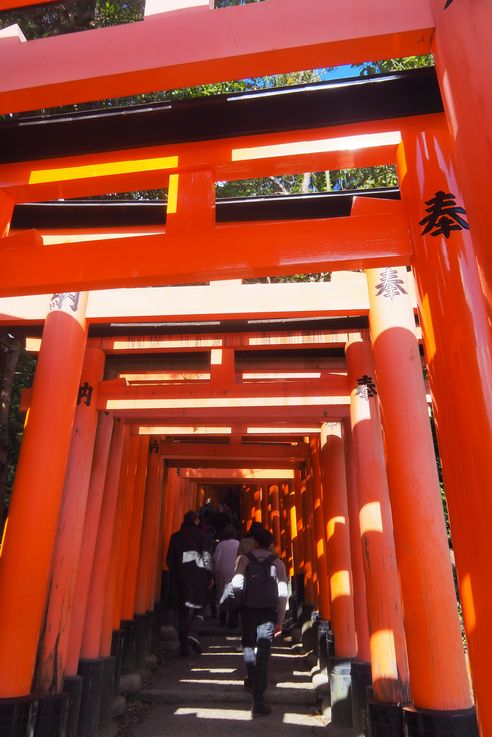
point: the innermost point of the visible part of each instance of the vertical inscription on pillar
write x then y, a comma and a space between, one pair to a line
391, 285
85, 394
448, 3
59, 299
154, 446
443, 215
366, 388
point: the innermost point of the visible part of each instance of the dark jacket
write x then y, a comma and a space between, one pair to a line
190, 567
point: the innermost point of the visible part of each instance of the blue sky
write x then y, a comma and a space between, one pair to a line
340, 72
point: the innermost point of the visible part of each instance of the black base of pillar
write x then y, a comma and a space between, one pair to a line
306, 613
150, 626
156, 628
430, 723
18, 716
340, 691
141, 640
90, 704
107, 690
361, 680
384, 720
52, 716
325, 636
72, 685
117, 653
128, 661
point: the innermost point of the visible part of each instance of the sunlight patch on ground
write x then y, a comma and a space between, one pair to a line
214, 670
239, 715
212, 681
297, 686
221, 652
305, 720
283, 655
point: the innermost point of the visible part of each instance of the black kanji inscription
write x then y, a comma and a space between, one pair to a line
366, 388
59, 299
85, 393
390, 285
154, 446
448, 3
444, 215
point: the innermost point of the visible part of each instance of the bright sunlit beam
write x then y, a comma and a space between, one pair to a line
323, 145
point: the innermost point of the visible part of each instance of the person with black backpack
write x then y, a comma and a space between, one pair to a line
260, 583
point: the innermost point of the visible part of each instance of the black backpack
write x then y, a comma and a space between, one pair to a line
260, 583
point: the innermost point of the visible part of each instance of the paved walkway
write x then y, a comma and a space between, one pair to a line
203, 695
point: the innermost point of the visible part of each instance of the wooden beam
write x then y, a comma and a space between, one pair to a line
115, 394
231, 463
345, 294
292, 152
260, 249
291, 414
237, 453
203, 46
236, 475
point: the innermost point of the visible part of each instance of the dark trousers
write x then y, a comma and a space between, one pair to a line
189, 623
258, 627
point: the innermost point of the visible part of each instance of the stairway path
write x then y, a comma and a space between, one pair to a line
202, 695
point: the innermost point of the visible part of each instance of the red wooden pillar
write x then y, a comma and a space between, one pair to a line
135, 532
163, 537
168, 512
154, 581
294, 535
320, 539
274, 506
150, 572
285, 537
126, 526
358, 583
100, 511
52, 653
301, 564
265, 517
147, 557
106, 537
463, 57
308, 535
247, 495
387, 637
438, 676
31, 526
257, 498
455, 321
339, 564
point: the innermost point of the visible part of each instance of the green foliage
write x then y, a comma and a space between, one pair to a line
23, 378
394, 65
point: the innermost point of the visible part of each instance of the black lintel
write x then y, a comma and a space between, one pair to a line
110, 213
339, 102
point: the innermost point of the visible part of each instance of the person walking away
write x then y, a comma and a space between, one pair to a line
260, 582
191, 572
225, 555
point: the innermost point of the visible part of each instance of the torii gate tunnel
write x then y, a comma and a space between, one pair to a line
308, 399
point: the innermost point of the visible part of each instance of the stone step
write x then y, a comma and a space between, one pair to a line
204, 694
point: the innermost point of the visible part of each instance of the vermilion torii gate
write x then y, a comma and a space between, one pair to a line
440, 227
